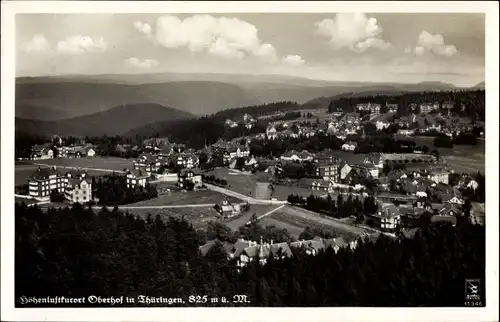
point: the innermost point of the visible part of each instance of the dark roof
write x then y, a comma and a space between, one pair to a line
184, 172
44, 173
139, 173
448, 219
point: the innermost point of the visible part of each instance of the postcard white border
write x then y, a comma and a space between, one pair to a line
9, 313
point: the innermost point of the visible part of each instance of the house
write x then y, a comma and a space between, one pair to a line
406, 132
189, 177
352, 118
186, 160
44, 180
449, 209
380, 125
227, 209
350, 146
338, 243
392, 197
231, 124
436, 219
78, 189
322, 185
455, 200
428, 107
391, 107
271, 133
345, 169
249, 251
328, 171
236, 151
439, 176
311, 247
148, 163
369, 107
388, 217
136, 178
42, 152
477, 213
90, 152
294, 156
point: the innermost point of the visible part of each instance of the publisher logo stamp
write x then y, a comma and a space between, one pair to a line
473, 289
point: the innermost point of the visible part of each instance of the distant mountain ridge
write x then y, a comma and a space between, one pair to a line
115, 121
58, 97
78, 98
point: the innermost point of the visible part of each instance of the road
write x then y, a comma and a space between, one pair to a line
243, 197
242, 220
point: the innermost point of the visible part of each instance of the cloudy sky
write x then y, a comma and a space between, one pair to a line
390, 47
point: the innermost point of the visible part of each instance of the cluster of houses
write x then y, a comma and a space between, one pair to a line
50, 151
290, 130
244, 251
248, 122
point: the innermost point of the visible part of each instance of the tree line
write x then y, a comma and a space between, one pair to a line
341, 208
78, 252
113, 190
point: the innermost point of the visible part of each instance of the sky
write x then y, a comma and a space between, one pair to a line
372, 47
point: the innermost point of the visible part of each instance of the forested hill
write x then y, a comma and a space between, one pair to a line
78, 253
115, 121
195, 132
469, 103
76, 98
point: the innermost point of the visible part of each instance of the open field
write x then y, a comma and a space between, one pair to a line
186, 198
297, 219
293, 230
258, 210
108, 163
22, 172
198, 217
238, 182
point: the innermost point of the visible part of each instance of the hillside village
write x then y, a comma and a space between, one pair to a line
345, 159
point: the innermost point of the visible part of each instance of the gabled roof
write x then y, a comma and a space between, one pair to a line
449, 208
44, 173
184, 172
284, 248
148, 157
76, 181
138, 173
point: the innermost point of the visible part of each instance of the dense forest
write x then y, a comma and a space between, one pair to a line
76, 253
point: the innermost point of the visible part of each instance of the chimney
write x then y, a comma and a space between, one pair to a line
271, 241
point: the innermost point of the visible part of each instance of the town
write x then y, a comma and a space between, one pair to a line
327, 177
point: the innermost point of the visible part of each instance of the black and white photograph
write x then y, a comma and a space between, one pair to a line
242, 157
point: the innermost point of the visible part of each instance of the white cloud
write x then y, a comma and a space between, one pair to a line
355, 31
145, 28
226, 37
81, 44
372, 43
294, 60
37, 44
143, 64
428, 42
